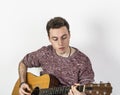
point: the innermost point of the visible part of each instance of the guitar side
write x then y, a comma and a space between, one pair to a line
44, 81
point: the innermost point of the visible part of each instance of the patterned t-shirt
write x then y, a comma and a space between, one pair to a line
76, 68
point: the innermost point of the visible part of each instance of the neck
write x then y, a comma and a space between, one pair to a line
69, 51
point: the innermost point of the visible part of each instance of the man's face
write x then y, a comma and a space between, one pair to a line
59, 38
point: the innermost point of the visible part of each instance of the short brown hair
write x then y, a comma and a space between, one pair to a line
56, 22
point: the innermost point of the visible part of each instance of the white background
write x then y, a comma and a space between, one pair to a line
95, 30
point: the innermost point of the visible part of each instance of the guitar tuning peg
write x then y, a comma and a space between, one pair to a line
101, 82
104, 93
97, 92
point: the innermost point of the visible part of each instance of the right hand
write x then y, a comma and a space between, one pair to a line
24, 89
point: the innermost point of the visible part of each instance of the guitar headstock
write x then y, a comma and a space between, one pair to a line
99, 89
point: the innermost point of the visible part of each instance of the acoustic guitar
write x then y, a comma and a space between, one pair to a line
48, 85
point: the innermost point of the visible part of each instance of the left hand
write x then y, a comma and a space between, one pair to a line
74, 91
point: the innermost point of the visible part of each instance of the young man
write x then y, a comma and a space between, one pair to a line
69, 65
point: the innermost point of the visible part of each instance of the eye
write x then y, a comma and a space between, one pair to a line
55, 39
64, 37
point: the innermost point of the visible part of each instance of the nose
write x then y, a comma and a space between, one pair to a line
60, 42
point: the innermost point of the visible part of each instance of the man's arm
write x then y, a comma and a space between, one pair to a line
24, 87
22, 72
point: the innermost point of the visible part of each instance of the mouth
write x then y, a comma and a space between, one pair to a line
62, 48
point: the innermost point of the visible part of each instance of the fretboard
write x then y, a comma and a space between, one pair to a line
57, 90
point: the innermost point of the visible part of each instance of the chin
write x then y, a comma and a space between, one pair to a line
62, 52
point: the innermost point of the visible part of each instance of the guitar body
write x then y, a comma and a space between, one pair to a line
44, 81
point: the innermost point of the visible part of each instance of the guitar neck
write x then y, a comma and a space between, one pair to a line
57, 90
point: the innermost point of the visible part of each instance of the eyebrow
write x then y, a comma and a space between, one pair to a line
61, 36
64, 35
54, 37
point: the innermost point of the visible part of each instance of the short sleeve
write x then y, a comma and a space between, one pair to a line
34, 59
86, 74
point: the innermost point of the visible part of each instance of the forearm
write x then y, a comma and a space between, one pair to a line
22, 72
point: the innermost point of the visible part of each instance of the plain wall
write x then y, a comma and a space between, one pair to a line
94, 26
